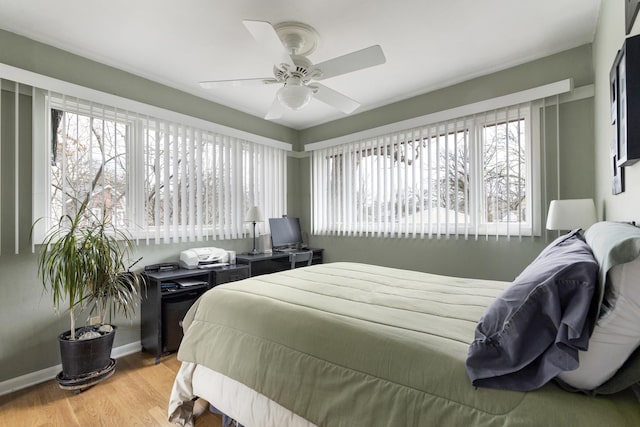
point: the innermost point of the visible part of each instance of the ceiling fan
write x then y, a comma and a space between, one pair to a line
289, 44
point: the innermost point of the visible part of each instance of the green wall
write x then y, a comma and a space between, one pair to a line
29, 337
485, 258
574, 63
43, 59
610, 35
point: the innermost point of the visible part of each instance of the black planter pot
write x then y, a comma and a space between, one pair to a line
81, 358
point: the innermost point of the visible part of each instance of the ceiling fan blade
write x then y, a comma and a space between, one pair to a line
266, 35
334, 99
353, 61
237, 83
275, 111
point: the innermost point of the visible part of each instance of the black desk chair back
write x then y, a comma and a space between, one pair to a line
299, 257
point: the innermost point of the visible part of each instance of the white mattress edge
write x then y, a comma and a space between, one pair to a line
229, 396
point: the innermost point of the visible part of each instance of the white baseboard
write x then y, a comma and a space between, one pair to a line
33, 378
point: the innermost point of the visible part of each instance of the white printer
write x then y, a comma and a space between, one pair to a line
203, 258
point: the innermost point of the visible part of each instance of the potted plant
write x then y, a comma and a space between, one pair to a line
82, 262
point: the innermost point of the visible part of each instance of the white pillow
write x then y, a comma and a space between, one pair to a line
616, 334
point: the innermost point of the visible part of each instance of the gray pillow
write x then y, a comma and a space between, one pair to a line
615, 243
533, 331
612, 243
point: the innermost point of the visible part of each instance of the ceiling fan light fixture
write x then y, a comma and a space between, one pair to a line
294, 96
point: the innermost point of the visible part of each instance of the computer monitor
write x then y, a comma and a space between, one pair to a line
285, 233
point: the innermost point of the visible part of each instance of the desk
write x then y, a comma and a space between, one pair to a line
162, 309
272, 262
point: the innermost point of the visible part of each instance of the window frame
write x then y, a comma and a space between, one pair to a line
477, 224
531, 115
130, 147
136, 123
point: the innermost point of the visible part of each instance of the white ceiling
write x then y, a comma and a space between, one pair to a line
428, 43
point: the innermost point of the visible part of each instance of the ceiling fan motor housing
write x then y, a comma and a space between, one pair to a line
303, 70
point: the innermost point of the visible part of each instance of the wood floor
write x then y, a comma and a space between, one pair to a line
136, 395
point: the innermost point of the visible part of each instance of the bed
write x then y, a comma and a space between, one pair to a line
347, 344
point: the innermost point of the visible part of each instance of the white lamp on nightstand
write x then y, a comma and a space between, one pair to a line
254, 215
570, 214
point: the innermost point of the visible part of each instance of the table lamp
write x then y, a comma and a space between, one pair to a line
254, 215
569, 214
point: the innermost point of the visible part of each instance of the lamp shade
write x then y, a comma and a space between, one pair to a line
253, 214
570, 214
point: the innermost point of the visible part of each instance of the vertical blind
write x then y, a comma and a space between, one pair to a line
161, 179
470, 176
10, 145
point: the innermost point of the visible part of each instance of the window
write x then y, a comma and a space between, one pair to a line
471, 175
157, 178
89, 164
199, 182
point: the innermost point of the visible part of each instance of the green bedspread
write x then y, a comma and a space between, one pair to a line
348, 344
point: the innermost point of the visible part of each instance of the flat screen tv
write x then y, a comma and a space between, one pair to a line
285, 233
